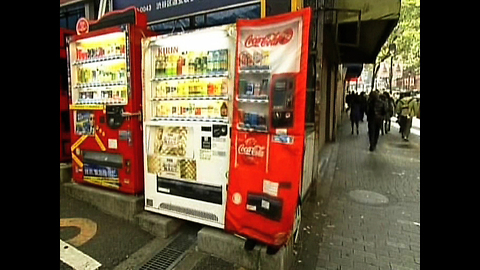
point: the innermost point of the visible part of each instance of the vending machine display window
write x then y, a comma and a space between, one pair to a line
100, 70
84, 123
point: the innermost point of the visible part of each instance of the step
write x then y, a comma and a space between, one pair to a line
158, 225
230, 248
112, 202
65, 172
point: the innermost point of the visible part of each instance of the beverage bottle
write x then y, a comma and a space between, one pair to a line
215, 109
121, 74
224, 90
256, 89
174, 109
158, 67
174, 89
224, 110
209, 62
167, 89
211, 89
191, 63
168, 68
223, 60
210, 110
198, 64
177, 65
204, 63
198, 110
204, 88
184, 65
158, 111
216, 61
218, 88
80, 75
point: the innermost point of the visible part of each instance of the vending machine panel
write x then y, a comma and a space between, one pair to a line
283, 91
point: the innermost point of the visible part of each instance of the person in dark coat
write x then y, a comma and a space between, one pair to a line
390, 106
355, 111
376, 111
363, 105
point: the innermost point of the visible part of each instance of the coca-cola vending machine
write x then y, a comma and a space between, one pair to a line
106, 100
268, 129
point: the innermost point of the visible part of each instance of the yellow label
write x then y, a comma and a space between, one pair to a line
87, 107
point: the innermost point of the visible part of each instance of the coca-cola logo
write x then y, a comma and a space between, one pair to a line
272, 39
251, 148
254, 151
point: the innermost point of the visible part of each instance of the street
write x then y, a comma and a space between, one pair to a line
112, 241
364, 213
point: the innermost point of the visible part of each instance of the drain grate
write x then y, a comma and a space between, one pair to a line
172, 253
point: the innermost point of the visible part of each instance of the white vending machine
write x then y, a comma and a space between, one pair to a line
188, 88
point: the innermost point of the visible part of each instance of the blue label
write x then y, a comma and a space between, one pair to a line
95, 170
283, 139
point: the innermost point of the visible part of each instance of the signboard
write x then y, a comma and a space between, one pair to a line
162, 10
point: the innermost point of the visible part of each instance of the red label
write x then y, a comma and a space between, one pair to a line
82, 26
271, 39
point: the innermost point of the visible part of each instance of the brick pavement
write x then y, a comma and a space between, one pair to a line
360, 235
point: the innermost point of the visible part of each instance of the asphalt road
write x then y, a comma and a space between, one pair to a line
114, 239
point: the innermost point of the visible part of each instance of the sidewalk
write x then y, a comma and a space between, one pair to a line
367, 205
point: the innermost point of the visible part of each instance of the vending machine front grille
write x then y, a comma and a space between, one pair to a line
189, 211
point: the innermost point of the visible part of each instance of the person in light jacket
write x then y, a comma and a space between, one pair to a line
406, 110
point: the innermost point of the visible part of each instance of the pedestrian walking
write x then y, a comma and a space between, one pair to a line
363, 105
382, 98
390, 109
355, 109
406, 110
348, 99
375, 115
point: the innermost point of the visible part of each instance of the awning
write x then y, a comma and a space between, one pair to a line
378, 18
353, 71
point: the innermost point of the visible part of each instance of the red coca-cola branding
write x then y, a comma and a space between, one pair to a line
272, 39
251, 152
251, 149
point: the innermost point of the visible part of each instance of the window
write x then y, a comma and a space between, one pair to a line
69, 15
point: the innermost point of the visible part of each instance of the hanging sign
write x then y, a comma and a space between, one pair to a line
161, 10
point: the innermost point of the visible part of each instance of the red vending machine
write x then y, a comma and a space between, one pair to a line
267, 145
106, 97
64, 112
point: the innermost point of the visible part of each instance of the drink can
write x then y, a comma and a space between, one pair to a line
247, 119
254, 119
249, 89
241, 116
256, 89
261, 120
242, 86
